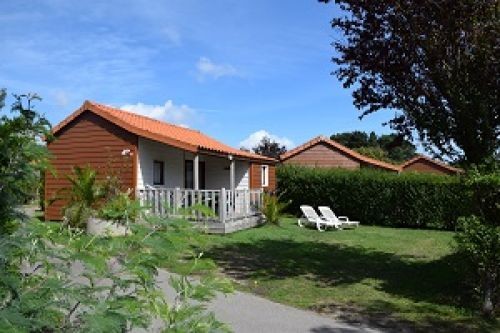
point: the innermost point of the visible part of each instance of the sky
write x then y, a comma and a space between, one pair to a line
235, 70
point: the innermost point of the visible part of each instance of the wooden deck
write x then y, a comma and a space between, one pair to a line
218, 211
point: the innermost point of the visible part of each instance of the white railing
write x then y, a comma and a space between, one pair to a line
215, 205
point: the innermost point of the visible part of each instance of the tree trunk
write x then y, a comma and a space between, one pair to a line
488, 286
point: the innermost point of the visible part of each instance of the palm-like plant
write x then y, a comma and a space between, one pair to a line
83, 196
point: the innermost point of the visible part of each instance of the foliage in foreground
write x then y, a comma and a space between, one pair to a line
376, 197
22, 157
57, 279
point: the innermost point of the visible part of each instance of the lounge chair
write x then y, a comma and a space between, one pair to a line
342, 221
312, 218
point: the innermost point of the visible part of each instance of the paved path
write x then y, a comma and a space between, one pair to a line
247, 313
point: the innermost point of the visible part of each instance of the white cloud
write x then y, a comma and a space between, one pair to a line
181, 115
206, 67
253, 140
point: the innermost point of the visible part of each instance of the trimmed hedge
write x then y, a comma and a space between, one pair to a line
377, 197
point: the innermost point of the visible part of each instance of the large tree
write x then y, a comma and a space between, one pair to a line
435, 62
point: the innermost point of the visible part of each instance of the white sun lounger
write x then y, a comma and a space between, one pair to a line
312, 218
343, 221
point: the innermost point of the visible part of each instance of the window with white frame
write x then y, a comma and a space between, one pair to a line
264, 175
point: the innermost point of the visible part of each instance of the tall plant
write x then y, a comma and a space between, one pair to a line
478, 236
22, 156
479, 243
273, 209
82, 197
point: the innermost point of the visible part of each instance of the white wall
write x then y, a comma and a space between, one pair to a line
242, 175
173, 159
216, 168
217, 173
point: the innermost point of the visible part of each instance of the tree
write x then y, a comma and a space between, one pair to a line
22, 157
397, 147
270, 148
354, 139
387, 147
434, 62
374, 152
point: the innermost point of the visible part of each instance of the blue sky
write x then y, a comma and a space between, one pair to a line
232, 69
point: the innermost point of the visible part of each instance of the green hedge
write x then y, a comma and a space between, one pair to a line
377, 197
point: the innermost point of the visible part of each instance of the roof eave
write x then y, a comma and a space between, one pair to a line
261, 159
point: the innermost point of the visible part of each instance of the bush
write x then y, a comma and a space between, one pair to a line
121, 209
273, 208
83, 197
484, 189
479, 243
377, 197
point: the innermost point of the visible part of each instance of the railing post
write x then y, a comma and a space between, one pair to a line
177, 197
222, 205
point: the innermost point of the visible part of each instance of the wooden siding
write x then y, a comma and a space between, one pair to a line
427, 166
255, 177
89, 140
323, 156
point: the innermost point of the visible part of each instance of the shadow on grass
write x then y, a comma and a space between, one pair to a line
436, 282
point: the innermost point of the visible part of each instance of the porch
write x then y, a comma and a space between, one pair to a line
218, 211
210, 189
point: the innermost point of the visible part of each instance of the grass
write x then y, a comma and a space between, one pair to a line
384, 277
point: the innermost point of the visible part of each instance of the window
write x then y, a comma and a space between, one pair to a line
158, 169
264, 175
188, 174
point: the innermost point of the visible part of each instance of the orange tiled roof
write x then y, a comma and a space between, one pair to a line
344, 149
177, 136
425, 158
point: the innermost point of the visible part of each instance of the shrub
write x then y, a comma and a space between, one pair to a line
484, 189
83, 197
273, 208
121, 209
377, 197
479, 243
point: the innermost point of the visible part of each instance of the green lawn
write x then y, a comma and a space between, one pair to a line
385, 277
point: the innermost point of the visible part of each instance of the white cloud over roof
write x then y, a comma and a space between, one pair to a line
254, 139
